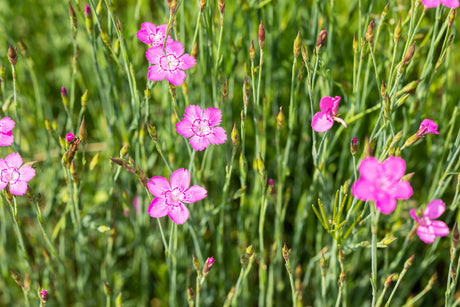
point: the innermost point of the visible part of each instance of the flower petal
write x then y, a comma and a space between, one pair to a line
431, 3
6, 139
184, 127
214, 115
158, 207
402, 190
193, 112
180, 179
434, 209
426, 234
175, 48
3, 184
146, 30
6, 124
385, 202
18, 188
370, 169
429, 124
176, 77
179, 214
158, 185
156, 73
413, 214
450, 3
440, 228
199, 143
186, 61
26, 173
14, 160
393, 168
363, 189
326, 103
154, 55
321, 122
218, 136
194, 193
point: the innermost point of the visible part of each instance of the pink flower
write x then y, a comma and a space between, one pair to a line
208, 265
434, 3
169, 64
69, 137
170, 199
428, 229
323, 121
11, 172
200, 126
427, 126
381, 182
6, 136
154, 36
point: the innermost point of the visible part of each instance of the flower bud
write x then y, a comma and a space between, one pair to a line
388, 280
13, 55
124, 151
235, 135
397, 32
252, 51
261, 35
190, 294
82, 131
73, 19
280, 119
88, 19
221, 6
208, 265
202, 4
65, 97
225, 90
409, 53
246, 91
408, 262
44, 296
370, 32
451, 18
355, 44
23, 49
354, 146
286, 252
321, 41
84, 99
297, 44
152, 131
249, 251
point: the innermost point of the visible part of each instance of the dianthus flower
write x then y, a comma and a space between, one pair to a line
381, 183
427, 126
153, 36
434, 3
12, 173
169, 64
200, 126
428, 229
170, 199
6, 136
323, 121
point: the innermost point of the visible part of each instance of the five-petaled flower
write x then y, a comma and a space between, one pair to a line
429, 229
169, 64
434, 3
323, 121
6, 136
427, 126
381, 183
12, 173
153, 36
200, 126
170, 198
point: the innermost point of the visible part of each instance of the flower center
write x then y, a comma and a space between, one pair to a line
425, 221
156, 39
174, 197
169, 62
201, 127
10, 175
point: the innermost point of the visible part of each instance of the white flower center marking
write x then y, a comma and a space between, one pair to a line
10, 175
201, 127
174, 197
169, 62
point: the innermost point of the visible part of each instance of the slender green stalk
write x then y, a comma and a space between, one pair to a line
375, 218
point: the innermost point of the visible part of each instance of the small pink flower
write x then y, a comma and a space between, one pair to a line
170, 199
44, 296
427, 126
6, 136
381, 182
434, 3
69, 137
323, 121
169, 64
208, 265
154, 36
428, 229
200, 126
11, 172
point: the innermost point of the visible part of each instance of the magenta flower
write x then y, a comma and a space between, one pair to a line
154, 36
170, 199
69, 137
428, 229
434, 3
427, 126
200, 126
169, 64
381, 183
6, 136
11, 172
323, 121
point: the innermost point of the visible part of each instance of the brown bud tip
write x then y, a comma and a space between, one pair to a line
246, 91
235, 135
73, 17
280, 119
321, 41
398, 31
13, 55
261, 35
286, 252
190, 294
252, 51
388, 280
304, 54
409, 53
409, 262
87, 11
221, 6
451, 18
354, 146
355, 44
370, 32
225, 90
202, 4
297, 44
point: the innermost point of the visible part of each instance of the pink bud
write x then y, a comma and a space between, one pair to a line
87, 11
69, 137
44, 296
64, 91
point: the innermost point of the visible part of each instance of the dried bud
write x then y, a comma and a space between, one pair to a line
370, 32
23, 49
208, 265
384, 12
252, 51
397, 32
354, 146
202, 4
367, 148
190, 294
286, 252
225, 90
73, 19
388, 280
17, 278
107, 288
221, 6
246, 91
304, 54
88, 19
13, 55
297, 44
65, 97
408, 262
261, 35
235, 135
383, 89
409, 53
321, 41
82, 131
105, 37
451, 18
